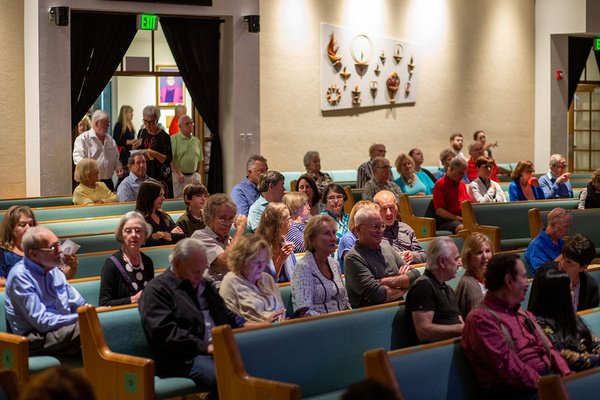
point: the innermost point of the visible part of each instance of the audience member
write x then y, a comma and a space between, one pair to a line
590, 196
306, 184
476, 151
187, 156
456, 145
506, 347
244, 194
127, 272
418, 158
219, 215
398, 234
480, 136
347, 241
410, 182
476, 253
273, 227
432, 311
483, 189
194, 197
448, 194
524, 186
548, 244
317, 279
555, 183
99, 145
375, 272
124, 134
577, 253
334, 198
40, 303
381, 180
445, 157
84, 125
299, 208
150, 198
129, 187
159, 154
365, 171
90, 190
174, 127
247, 290
270, 186
58, 383
312, 162
178, 310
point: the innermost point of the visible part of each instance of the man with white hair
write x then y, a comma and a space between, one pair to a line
432, 311
178, 310
365, 171
555, 183
375, 272
99, 145
382, 173
187, 157
244, 194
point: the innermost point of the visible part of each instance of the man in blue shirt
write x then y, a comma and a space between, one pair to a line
271, 190
555, 183
128, 189
245, 194
547, 246
40, 303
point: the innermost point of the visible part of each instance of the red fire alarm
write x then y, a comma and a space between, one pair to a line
559, 74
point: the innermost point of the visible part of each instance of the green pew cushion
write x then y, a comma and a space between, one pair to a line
328, 396
91, 265
35, 202
592, 321
172, 387
38, 364
583, 388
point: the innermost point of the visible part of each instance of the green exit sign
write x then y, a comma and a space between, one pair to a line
147, 22
597, 44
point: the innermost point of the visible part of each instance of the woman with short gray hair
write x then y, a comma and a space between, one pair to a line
312, 162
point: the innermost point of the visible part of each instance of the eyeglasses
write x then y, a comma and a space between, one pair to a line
152, 122
188, 123
375, 226
384, 167
487, 166
54, 248
226, 221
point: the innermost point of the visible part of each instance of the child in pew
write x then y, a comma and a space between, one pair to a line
150, 198
194, 197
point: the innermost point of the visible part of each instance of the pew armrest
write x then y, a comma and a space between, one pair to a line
423, 226
470, 223
535, 222
379, 368
14, 350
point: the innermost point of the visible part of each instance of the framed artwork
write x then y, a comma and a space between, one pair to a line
170, 90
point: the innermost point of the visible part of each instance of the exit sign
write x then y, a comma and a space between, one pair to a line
147, 22
597, 44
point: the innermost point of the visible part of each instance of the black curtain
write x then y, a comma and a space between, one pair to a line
194, 43
98, 44
579, 51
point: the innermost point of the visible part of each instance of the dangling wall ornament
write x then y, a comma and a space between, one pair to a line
332, 51
356, 96
377, 70
373, 89
333, 95
398, 52
382, 57
362, 63
407, 88
393, 82
411, 66
345, 75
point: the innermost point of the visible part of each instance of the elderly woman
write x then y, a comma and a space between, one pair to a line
317, 280
334, 198
299, 208
524, 186
483, 189
418, 158
349, 238
124, 134
274, 225
307, 185
382, 173
590, 196
247, 290
476, 253
90, 190
15, 223
412, 183
312, 162
158, 143
149, 200
127, 272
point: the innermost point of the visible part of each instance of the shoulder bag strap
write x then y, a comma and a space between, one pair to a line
509, 340
123, 273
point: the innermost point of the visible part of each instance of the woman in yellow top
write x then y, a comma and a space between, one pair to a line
90, 189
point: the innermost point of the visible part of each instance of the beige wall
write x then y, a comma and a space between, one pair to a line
477, 73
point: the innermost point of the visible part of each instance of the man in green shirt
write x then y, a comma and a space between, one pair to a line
187, 156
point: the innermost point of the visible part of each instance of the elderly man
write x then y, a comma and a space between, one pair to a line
555, 183
99, 145
219, 214
375, 272
40, 303
548, 245
244, 194
432, 311
476, 151
187, 156
382, 173
398, 234
365, 171
448, 193
577, 254
178, 310
128, 189
270, 186
180, 110
509, 351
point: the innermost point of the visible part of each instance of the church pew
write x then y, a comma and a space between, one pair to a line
419, 214
42, 201
579, 386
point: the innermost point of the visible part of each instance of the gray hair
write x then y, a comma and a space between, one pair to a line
180, 107
439, 247
131, 159
184, 249
267, 178
250, 164
554, 158
131, 215
309, 156
364, 214
182, 118
445, 153
32, 238
473, 144
457, 163
100, 115
215, 201
152, 111
377, 161
372, 147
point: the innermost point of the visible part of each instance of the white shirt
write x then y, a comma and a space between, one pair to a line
88, 145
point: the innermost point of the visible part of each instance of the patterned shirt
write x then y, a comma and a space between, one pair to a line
402, 238
342, 223
374, 186
364, 174
325, 180
296, 235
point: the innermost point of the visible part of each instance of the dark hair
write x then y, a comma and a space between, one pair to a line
316, 194
580, 249
553, 303
476, 134
193, 189
455, 135
498, 267
148, 192
333, 187
484, 160
58, 383
520, 168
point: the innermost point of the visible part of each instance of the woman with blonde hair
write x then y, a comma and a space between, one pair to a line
90, 189
411, 182
476, 253
524, 185
124, 134
299, 207
349, 238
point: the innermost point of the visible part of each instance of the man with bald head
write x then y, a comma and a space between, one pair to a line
398, 234
187, 156
547, 246
365, 170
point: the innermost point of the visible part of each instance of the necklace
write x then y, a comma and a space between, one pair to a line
410, 181
130, 267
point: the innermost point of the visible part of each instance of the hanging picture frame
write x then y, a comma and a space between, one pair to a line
170, 90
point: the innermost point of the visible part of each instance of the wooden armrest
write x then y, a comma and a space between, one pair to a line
552, 387
423, 226
15, 354
349, 204
470, 223
379, 368
535, 222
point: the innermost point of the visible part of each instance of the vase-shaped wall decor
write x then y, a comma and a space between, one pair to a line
345, 75
382, 57
398, 52
393, 83
377, 70
374, 86
407, 88
332, 51
411, 66
361, 63
333, 95
356, 96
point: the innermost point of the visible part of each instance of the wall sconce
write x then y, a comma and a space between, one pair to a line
253, 23
60, 15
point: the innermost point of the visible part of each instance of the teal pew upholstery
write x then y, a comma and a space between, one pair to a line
34, 202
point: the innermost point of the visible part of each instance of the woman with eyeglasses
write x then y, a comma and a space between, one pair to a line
274, 225
126, 273
334, 198
524, 185
158, 145
299, 208
483, 189
411, 182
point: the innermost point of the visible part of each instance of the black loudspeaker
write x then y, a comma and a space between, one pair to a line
253, 23
61, 15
